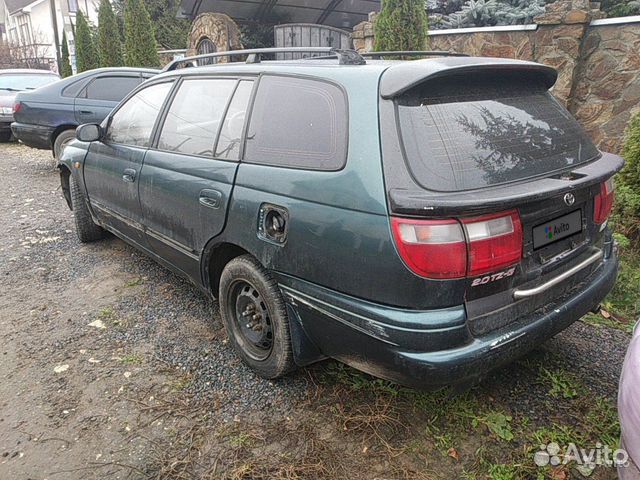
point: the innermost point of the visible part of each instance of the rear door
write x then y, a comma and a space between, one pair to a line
112, 166
499, 156
96, 100
188, 176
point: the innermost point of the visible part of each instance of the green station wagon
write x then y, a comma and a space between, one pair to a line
424, 221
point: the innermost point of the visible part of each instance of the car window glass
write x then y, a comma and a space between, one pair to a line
194, 117
111, 89
298, 123
133, 123
73, 89
231, 133
461, 135
31, 81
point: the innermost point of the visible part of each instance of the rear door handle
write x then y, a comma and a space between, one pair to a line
86, 112
210, 198
129, 175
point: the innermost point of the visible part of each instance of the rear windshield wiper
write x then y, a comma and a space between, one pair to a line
9, 89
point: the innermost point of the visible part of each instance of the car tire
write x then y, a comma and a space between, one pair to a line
86, 229
62, 140
5, 137
255, 317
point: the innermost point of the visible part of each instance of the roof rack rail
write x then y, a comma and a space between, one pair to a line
412, 53
346, 57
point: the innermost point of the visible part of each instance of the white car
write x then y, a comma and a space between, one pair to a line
629, 409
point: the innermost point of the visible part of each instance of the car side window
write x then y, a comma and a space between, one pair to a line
298, 123
230, 137
194, 118
132, 123
111, 89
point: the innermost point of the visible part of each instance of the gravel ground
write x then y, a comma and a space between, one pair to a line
92, 336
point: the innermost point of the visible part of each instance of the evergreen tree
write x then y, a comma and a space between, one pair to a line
109, 44
65, 67
171, 32
620, 8
86, 51
483, 13
402, 25
141, 49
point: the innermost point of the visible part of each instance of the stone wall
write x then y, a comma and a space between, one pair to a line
217, 27
607, 91
598, 61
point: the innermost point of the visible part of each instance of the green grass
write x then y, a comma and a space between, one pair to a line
107, 314
498, 424
601, 422
556, 433
444, 429
624, 300
502, 472
134, 283
131, 359
561, 383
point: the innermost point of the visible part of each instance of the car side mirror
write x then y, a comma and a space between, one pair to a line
89, 132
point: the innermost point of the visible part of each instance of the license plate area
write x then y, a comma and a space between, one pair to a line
557, 229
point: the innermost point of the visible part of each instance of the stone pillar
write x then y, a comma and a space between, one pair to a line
558, 41
363, 35
217, 27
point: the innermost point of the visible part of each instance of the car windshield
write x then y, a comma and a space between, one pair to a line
460, 134
23, 81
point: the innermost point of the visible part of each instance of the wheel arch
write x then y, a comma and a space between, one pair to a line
65, 173
214, 259
59, 129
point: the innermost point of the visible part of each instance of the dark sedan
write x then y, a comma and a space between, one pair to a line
47, 118
13, 81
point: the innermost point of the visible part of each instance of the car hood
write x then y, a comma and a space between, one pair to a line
629, 398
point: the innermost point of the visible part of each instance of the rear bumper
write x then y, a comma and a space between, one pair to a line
36, 136
430, 349
5, 122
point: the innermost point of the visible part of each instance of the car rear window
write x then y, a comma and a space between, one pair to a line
470, 133
28, 81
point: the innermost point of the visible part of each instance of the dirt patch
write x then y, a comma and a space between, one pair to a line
113, 367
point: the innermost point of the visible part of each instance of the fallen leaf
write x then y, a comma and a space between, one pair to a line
61, 368
453, 453
559, 474
97, 324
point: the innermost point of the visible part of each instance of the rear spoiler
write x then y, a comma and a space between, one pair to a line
426, 203
401, 78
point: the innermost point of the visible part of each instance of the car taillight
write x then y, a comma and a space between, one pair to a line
431, 248
495, 241
603, 203
16, 107
441, 249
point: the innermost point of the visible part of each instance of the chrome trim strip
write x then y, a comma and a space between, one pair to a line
173, 244
308, 301
518, 294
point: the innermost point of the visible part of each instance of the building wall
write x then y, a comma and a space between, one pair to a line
39, 40
598, 60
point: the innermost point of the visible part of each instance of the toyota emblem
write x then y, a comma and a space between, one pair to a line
569, 199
